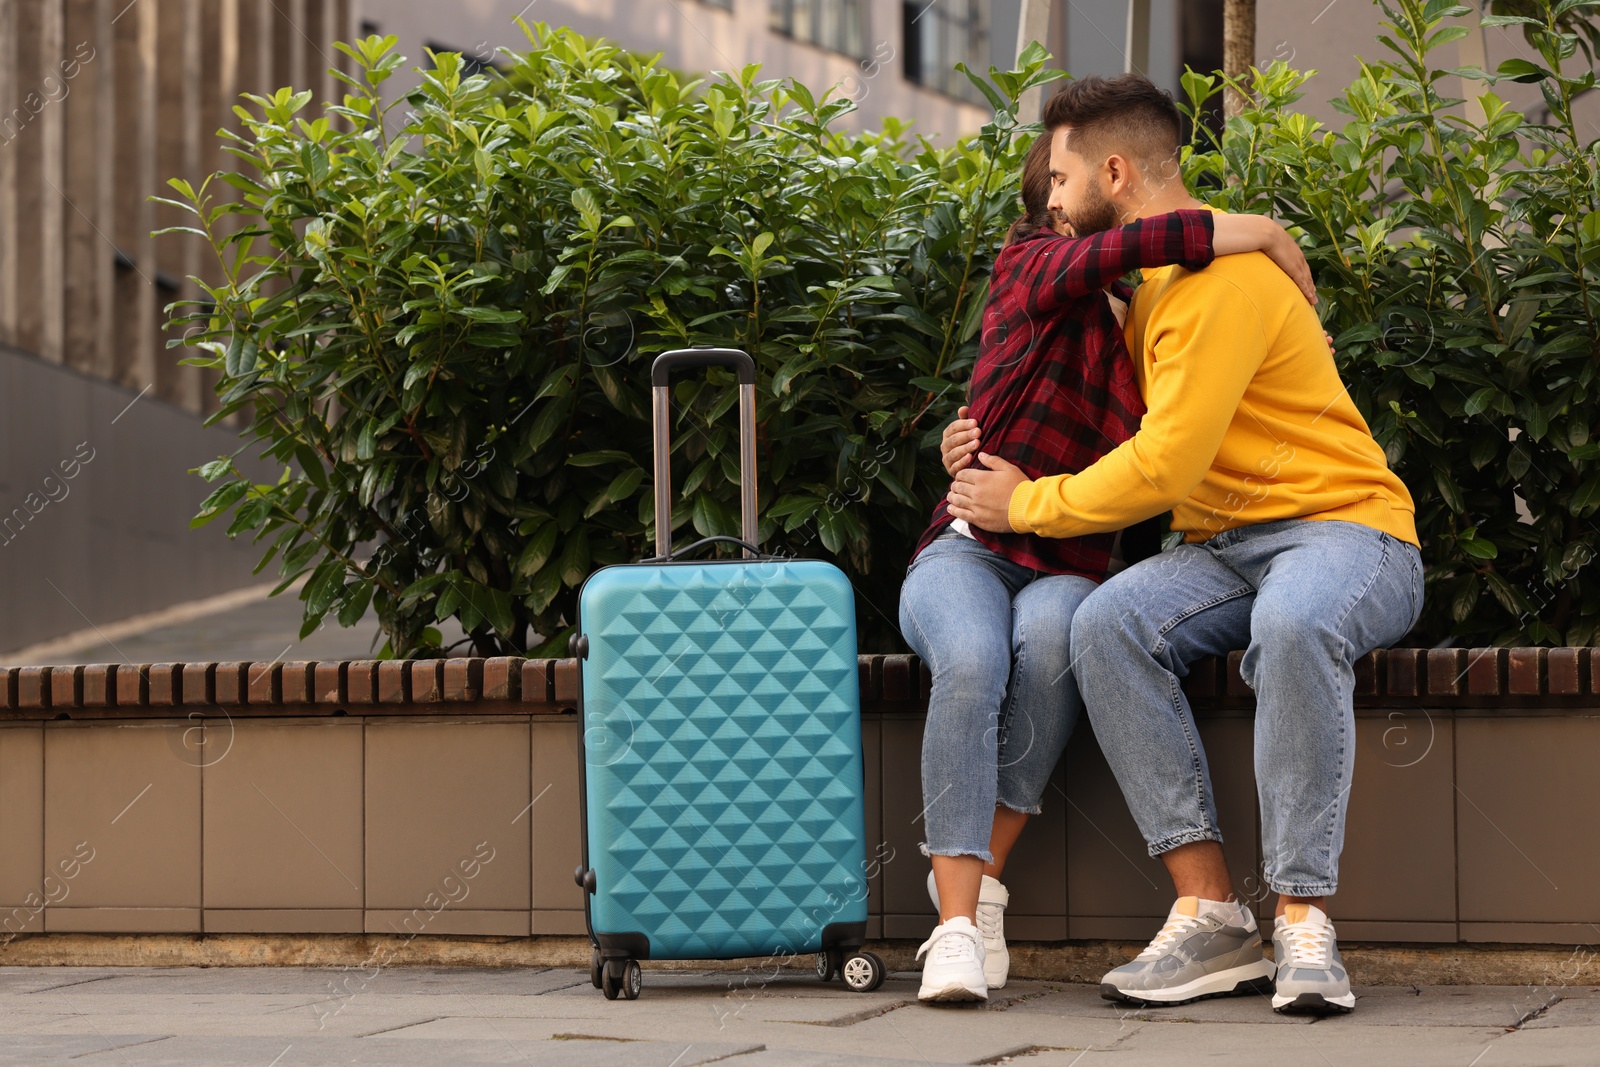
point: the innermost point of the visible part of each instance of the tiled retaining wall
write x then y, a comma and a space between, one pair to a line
441, 797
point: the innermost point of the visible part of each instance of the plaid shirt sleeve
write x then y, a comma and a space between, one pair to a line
1052, 270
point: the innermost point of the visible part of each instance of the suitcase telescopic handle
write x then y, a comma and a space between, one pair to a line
661, 412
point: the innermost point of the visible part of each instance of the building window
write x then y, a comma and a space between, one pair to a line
938, 34
726, 5
837, 25
1201, 51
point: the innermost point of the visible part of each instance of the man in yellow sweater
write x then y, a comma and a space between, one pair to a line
1298, 545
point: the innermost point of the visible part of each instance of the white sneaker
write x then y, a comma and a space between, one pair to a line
992, 901
954, 970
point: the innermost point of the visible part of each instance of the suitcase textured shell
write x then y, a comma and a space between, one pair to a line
722, 756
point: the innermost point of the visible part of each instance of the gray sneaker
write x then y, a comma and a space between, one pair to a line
1193, 957
1311, 974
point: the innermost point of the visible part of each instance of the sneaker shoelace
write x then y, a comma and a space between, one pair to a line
1177, 926
990, 917
952, 946
1308, 944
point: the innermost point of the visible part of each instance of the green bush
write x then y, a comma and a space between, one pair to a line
1456, 258
441, 329
442, 333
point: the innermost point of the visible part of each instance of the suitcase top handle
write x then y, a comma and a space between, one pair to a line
703, 357
750, 551
661, 418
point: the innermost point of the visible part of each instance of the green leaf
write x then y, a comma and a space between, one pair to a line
1480, 401
424, 585
996, 101
574, 565
1521, 70
596, 459
537, 551
223, 498
1586, 498
621, 487
241, 356
357, 597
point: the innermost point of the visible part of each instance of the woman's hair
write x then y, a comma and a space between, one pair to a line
1035, 193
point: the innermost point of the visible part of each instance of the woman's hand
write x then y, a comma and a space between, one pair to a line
1232, 234
959, 443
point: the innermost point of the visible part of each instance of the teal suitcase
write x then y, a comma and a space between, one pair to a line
721, 774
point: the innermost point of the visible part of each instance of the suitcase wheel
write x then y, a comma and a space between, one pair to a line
862, 971
597, 963
620, 977
829, 960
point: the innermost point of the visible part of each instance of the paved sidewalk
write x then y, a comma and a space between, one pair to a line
282, 1017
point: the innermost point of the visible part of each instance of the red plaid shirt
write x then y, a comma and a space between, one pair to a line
1053, 389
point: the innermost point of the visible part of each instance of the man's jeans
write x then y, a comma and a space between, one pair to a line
994, 636
1306, 598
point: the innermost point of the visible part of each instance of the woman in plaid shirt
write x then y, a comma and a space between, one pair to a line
990, 613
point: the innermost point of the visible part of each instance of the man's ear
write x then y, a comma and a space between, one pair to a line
1120, 175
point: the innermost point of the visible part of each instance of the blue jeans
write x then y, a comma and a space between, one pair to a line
1306, 599
994, 635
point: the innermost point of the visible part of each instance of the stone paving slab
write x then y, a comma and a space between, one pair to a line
260, 1052
1577, 1006
204, 1021
1470, 1006
1085, 1001
328, 981
1329, 1041
947, 1034
1569, 1044
113, 1006
282, 1017
1327, 1044
788, 1057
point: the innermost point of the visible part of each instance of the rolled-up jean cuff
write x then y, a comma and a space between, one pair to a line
1320, 889
982, 853
1024, 809
1188, 837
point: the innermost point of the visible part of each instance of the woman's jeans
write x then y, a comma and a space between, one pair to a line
1306, 599
995, 636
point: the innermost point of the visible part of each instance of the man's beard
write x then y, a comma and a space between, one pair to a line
1095, 215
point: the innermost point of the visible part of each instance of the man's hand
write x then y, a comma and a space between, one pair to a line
983, 497
959, 443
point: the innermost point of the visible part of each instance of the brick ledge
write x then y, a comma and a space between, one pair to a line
1453, 677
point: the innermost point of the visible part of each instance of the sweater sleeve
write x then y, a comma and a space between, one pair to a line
1054, 270
1207, 345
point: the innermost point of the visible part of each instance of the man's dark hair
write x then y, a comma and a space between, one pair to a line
1128, 115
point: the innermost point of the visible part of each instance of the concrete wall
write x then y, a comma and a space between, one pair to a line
1096, 33
102, 101
107, 535
442, 798
1333, 38
696, 37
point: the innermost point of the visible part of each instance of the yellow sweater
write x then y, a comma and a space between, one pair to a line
1248, 421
